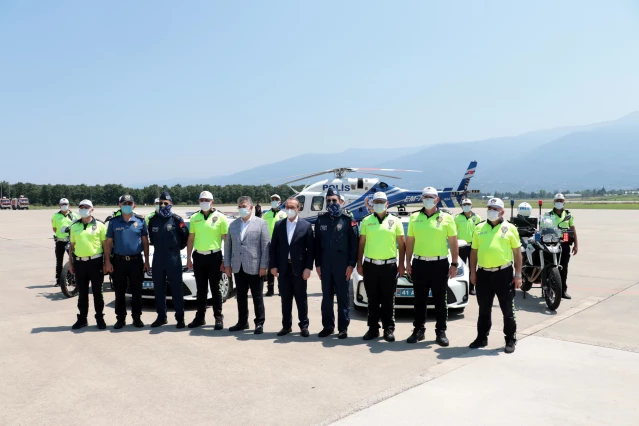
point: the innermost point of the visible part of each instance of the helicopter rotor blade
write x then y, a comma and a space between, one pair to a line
299, 177
361, 169
377, 174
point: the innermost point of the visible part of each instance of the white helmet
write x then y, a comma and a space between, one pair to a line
524, 209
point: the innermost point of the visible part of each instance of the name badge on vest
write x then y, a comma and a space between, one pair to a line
390, 224
323, 227
504, 230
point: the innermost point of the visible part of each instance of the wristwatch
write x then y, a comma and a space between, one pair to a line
518, 275
455, 264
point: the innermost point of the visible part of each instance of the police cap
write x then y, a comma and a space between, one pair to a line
127, 199
332, 191
165, 196
63, 201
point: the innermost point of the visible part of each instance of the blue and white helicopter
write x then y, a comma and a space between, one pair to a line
359, 191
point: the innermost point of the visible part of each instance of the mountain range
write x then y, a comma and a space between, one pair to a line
565, 158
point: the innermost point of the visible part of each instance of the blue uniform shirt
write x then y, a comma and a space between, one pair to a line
127, 236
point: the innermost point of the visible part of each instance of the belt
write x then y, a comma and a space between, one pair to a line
430, 259
207, 252
127, 258
499, 268
380, 262
87, 258
61, 240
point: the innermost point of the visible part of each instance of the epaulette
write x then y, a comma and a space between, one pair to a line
176, 216
74, 222
139, 216
98, 220
483, 221
445, 211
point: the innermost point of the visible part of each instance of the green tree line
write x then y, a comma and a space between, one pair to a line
49, 195
543, 194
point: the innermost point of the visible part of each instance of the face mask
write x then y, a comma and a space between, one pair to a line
291, 213
205, 206
379, 208
466, 209
85, 212
157, 207
165, 211
127, 209
429, 203
64, 208
244, 212
559, 206
275, 204
334, 209
492, 215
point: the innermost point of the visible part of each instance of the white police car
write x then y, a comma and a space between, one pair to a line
188, 279
457, 294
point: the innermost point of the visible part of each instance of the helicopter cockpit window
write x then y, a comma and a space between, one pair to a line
382, 185
318, 203
301, 200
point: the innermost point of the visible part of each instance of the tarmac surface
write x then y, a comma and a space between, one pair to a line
573, 366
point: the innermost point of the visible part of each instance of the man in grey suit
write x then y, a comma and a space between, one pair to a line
246, 251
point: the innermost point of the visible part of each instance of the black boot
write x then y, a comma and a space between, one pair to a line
472, 290
80, 323
372, 333
197, 322
510, 345
99, 319
479, 342
417, 336
441, 338
270, 291
565, 294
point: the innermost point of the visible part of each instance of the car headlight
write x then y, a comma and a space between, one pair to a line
547, 238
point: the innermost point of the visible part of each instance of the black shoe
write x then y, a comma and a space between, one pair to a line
180, 324
389, 335
417, 336
304, 332
371, 334
566, 295
119, 324
472, 292
197, 322
342, 334
57, 282
259, 329
325, 332
219, 325
159, 322
441, 338
270, 291
284, 332
137, 322
510, 346
80, 323
99, 319
479, 343
239, 327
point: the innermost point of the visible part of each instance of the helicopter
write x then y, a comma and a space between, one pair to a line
358, 191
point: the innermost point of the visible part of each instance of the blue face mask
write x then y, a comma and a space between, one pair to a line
165, 211
127, 209
334, 209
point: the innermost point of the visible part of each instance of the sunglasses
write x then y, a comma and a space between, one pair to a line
164, 203
127, 204
332, 201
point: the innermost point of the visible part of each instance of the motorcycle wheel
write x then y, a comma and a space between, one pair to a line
552, 292
67, 282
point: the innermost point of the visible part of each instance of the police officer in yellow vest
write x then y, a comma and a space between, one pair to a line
207, 231
272, 216
564, 220
381, 238
430, 234
88, 237
60, 223
154, 212
495, 248
466, 223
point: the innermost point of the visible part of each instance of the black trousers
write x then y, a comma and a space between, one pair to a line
89, 272
168, 271
334, 284
243, 283
464, 253
489, 285
59, 257
270, 278
128, 273
291, 287
430, 276
206, 268
380, 282
565, 259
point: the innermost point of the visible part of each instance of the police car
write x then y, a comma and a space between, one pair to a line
188, 278
457, 294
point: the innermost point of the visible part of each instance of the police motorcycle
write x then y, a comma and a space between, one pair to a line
541, 253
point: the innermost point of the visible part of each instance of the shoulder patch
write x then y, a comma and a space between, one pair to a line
446, 211
98, 220
139, 216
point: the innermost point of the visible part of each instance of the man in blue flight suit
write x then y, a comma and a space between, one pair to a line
168, 236
336, 239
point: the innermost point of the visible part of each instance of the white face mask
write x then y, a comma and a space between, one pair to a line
467, 209
291, 213
492, 215
157, 207
205, 206
379, 208
429, 203
275, 204
244, 212
559, 205
64, 208
85, 212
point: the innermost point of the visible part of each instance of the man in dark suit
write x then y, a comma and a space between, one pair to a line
291, 261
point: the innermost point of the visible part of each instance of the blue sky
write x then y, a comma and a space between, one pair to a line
98, 92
